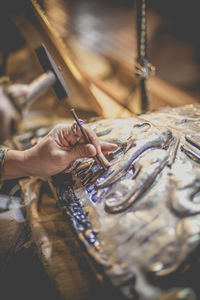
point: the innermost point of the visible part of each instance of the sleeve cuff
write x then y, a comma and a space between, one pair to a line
2, 159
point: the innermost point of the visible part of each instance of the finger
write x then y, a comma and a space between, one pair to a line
91, 135
105, 146
80, 151
105, 152
69, 136
98, 145
63, 136
95, 142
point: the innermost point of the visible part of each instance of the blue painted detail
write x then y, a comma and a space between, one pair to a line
94, 198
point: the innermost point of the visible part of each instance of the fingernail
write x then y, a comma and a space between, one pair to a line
106, 162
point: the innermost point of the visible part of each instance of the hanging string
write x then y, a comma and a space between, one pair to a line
142, 66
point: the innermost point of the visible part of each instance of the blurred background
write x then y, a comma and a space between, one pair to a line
109, 28
101, 38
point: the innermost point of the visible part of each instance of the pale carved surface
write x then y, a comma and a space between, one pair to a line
140, 219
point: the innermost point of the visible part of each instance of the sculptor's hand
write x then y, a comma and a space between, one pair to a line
56, 152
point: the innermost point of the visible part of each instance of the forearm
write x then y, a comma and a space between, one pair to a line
17, 165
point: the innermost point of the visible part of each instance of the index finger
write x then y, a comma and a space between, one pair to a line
93, 139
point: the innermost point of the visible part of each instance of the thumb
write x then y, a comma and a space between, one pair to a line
82, 150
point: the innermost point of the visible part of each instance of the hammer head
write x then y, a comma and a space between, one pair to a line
48, 64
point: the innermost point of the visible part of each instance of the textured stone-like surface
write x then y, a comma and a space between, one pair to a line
143, 212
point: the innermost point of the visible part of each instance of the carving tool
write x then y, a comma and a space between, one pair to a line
87, 138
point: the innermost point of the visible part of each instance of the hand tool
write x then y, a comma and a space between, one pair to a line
87, 138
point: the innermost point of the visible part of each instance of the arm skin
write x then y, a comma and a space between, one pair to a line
54, 153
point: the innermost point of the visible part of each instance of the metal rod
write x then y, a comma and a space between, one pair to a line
88, 140
142, 53
40, 85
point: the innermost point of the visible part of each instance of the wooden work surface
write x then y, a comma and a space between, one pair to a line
61, 254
